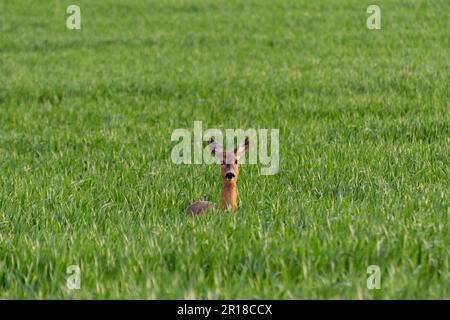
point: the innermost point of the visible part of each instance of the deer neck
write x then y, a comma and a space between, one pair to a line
229, 195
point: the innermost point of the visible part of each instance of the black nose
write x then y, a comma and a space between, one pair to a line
229, 175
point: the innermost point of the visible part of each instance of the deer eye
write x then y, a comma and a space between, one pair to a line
235, 162
222, 163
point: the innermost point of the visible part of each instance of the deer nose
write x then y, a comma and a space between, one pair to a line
229, 175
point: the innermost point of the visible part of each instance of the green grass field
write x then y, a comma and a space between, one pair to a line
86, 179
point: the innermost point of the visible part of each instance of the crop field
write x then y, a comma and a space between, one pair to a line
86, 177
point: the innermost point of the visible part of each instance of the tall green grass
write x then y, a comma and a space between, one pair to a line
86, 178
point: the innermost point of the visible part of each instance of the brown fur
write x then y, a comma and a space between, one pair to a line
229, 164
200, 207
228, 199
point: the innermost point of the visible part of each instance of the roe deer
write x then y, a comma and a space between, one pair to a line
229, 173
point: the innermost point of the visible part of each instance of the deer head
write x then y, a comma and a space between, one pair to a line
229, 160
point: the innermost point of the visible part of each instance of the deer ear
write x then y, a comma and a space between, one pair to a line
215, 148
243, 146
